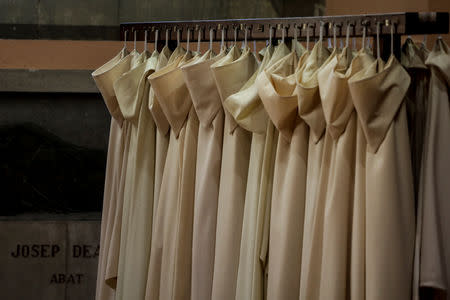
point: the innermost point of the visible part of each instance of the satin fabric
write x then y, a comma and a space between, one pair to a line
247, 109
341, 118
132, 90
104, 78
129, 82
230, 74
378, 95
207, 105
162, 132
169, 274
276, 88
434, 187
319, 145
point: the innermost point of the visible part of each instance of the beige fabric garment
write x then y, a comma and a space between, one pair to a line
162, 132
207, 104
378, 95
413, 59
230, 74
341, 118
434, 188
132, 91
104, 78
247, 109
276, 86
311, 111
169, 274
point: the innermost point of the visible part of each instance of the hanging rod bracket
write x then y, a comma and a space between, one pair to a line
406, 23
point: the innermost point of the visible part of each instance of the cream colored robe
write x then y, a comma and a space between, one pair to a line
276, 86
434, 188
319, 146
162, 132
342, 123
207, 104
230, 74
169, 274
246, 108
104, 78
132, 90
378, 95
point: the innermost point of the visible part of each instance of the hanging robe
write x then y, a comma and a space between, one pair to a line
276, 86
104, 77
434, 187
230, 74
132, 90
247, 110
341, 119
413, 59
170, 261
378, 95
311, 111
162, 132
207, 105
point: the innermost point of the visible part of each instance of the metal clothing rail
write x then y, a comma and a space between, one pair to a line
405, 23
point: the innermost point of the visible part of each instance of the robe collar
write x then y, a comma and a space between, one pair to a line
170, 89
377, 93
231, 73
106, 75
276, 86
336, 100
153, 104
309, 102
439, 60
202, 87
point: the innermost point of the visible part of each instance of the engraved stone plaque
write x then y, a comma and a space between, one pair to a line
49, 259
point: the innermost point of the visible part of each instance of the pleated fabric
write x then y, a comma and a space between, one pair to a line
169, 274
162, 132
276, 87
246, 108
378, 95
341, 119
230, 74
132, 90
319, 145
207, 105
434, 188
104, 78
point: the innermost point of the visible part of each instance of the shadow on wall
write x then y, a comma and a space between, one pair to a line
40, 172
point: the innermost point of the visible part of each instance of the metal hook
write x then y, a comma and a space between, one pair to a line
211, 32
283, 33
156, 39
145, 41
167, 37
178, 37
270, 34
199, 39
334, 36
135, 32
245, 37
222, 42
188, 38
378, 40
347, 34
307, 37
125, 39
